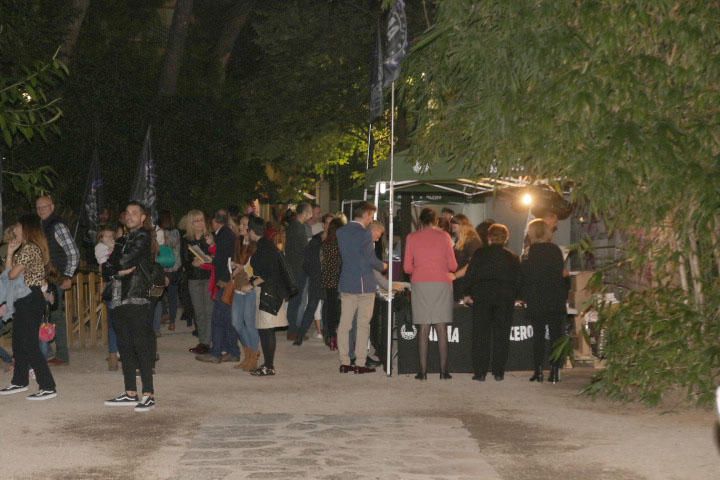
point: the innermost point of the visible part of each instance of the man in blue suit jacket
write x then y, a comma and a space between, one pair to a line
357, 286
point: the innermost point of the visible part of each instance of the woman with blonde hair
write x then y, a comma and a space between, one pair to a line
467, 242
544, 287
28, 255
197, 236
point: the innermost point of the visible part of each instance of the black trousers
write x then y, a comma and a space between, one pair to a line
136, 344
331, 312
491, 335
555, 321
26, 344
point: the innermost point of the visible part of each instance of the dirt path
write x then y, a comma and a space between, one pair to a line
214, 422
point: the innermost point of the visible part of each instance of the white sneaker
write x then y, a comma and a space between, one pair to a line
43, 395
146, 404
10, 389
122, 400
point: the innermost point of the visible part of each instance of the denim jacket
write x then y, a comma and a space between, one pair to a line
10, 291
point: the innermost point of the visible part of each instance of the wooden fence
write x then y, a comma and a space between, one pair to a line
85, 312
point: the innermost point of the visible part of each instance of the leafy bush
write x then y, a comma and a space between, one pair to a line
656, 343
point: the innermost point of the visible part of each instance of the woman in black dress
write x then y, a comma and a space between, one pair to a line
544, 289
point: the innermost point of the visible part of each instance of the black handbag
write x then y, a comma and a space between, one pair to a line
156, 279
270, 302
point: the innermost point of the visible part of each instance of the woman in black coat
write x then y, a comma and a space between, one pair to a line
491, 286
271, 274
544, 287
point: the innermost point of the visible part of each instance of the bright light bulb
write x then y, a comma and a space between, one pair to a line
383, 188
527, 199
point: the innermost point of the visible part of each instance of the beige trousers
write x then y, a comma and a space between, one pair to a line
362, 304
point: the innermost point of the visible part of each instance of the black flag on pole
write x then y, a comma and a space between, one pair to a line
376, 81
144, 185
397, 42
93, 197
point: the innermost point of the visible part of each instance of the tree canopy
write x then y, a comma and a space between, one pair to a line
620, 98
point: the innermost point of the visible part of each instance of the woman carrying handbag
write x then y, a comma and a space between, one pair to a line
276, 285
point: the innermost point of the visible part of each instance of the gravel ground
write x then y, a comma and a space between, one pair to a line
215, 422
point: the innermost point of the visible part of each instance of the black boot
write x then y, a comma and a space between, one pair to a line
537, 376
554, 374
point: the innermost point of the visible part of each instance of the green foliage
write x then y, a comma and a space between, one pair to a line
33, 183
657, 344
618, 97
25, 107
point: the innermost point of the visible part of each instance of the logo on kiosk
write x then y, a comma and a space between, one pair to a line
406, 335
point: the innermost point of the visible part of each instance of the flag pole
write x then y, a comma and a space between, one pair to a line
367, 161
391, 214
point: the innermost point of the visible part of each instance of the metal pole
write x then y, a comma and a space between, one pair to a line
391, 214
367, 163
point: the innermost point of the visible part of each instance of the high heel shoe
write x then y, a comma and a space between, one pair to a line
445, 376
554, 375
421, 376
537, 376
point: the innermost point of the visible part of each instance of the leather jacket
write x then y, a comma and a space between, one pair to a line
132, 250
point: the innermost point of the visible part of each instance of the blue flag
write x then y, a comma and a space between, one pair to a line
397, 42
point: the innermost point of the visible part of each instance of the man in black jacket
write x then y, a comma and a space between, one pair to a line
224, 337
131, 266
492, 282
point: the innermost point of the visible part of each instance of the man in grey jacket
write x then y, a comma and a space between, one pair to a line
357, 286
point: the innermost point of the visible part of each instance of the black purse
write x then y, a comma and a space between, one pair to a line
156, 279
270, 302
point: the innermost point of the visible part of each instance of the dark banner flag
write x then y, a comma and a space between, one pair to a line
397, 42
93, 196
376, 81
144, 185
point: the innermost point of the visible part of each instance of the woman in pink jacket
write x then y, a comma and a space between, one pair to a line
430, 262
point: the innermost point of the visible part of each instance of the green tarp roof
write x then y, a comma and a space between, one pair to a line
415, 175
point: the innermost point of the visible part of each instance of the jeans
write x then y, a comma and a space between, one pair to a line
243, 318
297, 304
112, 336
309, 314
45, 349
224, 336
172, 294
136, 343
61, 337
5, 356
203, 307
26, 347
157, 309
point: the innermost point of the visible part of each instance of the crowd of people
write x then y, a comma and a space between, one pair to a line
237, 278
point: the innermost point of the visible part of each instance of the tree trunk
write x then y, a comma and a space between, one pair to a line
695, 271
80, 8
237, 18
175, 47
715, 235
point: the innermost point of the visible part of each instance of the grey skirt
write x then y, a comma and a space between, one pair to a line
432, 302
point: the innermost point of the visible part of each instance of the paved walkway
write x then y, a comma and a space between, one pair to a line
215, 422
